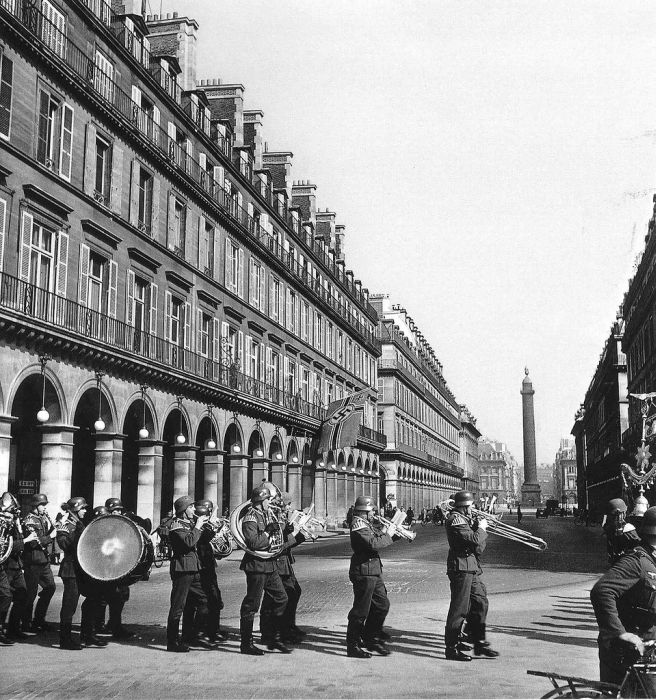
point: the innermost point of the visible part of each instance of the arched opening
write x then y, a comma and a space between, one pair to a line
26, 435
232, 444
307, 479
138, 417
174, 427
275, 448
204, 433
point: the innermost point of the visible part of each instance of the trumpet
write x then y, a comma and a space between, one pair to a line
496, 526
397, 520
305, 522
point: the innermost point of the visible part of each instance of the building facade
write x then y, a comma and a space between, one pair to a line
565, 475
469, 435
546, 481
176, 312
417, 412
499, 472
599, 424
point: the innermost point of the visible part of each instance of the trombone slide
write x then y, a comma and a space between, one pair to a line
401, 530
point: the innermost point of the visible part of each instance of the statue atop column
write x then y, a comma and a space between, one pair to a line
530, 488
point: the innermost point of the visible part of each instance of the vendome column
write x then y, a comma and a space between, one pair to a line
530, 487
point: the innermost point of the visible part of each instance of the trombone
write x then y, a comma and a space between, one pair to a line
497, 527
397, 520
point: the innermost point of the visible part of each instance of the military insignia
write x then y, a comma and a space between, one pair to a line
359, 524
457, 520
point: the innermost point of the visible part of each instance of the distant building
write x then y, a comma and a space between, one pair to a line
564, 472
546, 481
469, 435
498, 471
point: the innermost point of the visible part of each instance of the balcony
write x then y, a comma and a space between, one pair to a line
370, 439
23, 305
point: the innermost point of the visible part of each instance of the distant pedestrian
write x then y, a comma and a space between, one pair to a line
410, 516
519, 513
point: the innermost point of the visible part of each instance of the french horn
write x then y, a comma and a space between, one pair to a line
6, 539
222, 541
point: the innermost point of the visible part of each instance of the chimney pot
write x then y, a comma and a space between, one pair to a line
175, 15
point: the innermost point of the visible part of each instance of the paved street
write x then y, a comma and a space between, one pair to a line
540, 618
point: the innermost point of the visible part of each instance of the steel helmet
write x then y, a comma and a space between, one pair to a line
205, 503
8, 502
201, 509
615, 505
181, 504
270, 487
113, 504
39, 499
648, 524
463, 498
365, 503
260, 494
76, 504
100, 510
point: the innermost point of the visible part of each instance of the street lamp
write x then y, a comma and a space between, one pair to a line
211, 443
42, 416
143, 431
180, 437
99, 425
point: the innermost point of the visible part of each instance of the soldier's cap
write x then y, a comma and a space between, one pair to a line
616, 505
181, 504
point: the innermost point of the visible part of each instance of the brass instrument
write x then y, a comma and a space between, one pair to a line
29, 528
305, 522
276, 541
6, 538
222, 543
397, 520
496, 526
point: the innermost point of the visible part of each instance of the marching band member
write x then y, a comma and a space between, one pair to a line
187, 593
69, 529
290, 633
261, 531
37, 564
468, 595
15, 591
370, 601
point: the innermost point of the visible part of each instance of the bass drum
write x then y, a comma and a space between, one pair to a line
113, 548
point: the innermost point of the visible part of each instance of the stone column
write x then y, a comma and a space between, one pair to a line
342, 506
279, 473
213, 482
260, 467
331, 496
294, 474
57, 461
320, 493
184, 470
238, 466
109, 466
149, 481
530, 487
5, 449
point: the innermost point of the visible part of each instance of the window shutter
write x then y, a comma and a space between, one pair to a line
62, 265
189, 150
240, 281
216, 247
83, 291
134, 194
168, 302
156, 126
268, 376
263, 355
170, 240
216, 339
285, 374
6, 81
113, 279
249, 355
66, 147
3, 227
270, 307
26, 239
229, 283
288, 310
153, 309
42, 153
136, 107
240, 351
154, 217
171, 130
199, 329
251, 281
116, 190
90, 161
218, 173
187, 326
262, 290
129, 299
224, 342
202, 244
188, 229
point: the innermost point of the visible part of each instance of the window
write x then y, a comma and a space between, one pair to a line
330, 340
204, 334
234, 268
275, 299
273, 368
318, 332
141, 308
254, 356
256, 284
98, 281
145, 201
103, 77
177, 226
292, 311
53, 29
55, 134
305, 321
206, 247
290, 376
177, 328
103, 176
305, 383
6, 82
42, 253
43, 260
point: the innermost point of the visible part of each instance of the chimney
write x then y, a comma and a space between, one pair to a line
226, 103
326, 228
129, 7
340, 232
176, 36
280, 166
253, 135
304, 197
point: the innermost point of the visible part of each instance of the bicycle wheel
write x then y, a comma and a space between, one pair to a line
579, 691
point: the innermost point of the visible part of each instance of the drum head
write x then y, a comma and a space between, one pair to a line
110, 547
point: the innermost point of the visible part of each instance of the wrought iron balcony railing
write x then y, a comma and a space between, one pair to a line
372, 435
61, 314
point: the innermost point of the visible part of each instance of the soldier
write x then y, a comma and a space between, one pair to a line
187, 593
620, 535
290, 633
262, 532
468, 595
76, 583
370, 601
37, 564
624, 603
16, 591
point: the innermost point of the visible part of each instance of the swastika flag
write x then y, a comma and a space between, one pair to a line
342, 422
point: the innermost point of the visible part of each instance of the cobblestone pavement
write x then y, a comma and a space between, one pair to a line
540, 618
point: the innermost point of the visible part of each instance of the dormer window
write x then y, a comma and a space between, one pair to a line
246, 164
169, 79
135, 42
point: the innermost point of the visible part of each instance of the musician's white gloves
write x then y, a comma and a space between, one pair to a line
391, 529
633, 640
482, 524
201, 520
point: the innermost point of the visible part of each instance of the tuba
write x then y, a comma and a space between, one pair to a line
6, 539
277, 541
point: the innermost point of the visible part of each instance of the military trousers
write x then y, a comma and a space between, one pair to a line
188, 597
370, 608
256, 585
468, 602
38, 575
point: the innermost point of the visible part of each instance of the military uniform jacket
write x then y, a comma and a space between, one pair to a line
624, 598
204, 548
365, 542
68, 534
285, 562
15, 559
465, 544
253, 526
35, 552
184, 538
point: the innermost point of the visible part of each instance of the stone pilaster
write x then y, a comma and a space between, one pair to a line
294, 474
184, 470
213, 481
260, 467
320, 493
57, 461
109, 466
279, 473
5, 449
331, 496
238, 465
149, 481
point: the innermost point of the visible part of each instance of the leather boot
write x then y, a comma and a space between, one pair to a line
356, 652
454, 654
66, 640
246, 632
89, 640
276, 643
484, 649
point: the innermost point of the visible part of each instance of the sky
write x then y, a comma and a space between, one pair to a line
494, 164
